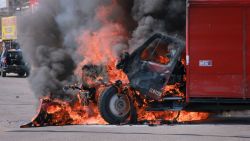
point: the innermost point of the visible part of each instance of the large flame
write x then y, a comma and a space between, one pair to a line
99, 47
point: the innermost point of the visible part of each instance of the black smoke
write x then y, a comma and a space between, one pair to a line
48, 34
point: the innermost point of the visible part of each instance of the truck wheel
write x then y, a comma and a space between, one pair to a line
3, 73
114, 108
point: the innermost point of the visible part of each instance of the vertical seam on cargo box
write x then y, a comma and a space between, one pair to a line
187, 53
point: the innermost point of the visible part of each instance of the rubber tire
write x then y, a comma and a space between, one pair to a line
103, 103
21, 74
3, 74
27, 74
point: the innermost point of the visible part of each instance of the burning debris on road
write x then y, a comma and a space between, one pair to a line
80, 41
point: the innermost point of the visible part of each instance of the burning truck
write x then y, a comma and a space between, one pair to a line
165, 78
156, 76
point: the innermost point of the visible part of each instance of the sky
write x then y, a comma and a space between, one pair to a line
2, 3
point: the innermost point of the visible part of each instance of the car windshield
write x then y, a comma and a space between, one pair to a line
159, 52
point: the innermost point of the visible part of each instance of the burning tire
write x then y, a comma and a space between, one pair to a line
114, 108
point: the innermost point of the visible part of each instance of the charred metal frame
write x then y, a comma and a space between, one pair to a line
150, 83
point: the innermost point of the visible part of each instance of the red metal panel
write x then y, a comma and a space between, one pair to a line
248, 53
220, 2
216, 52
210, 85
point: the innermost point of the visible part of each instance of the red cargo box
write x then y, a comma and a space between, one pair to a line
218, 49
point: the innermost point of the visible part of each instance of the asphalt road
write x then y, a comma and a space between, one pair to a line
18, 106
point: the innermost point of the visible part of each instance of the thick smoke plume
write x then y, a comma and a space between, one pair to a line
53, 35
165, 16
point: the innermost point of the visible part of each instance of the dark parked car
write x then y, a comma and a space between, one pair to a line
12, 62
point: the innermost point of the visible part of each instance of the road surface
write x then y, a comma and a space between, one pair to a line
18, 106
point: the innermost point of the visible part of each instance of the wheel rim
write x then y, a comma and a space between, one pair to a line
119, 105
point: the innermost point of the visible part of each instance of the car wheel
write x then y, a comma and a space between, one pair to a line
21, 74
3, 73
27, 74
114, 108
